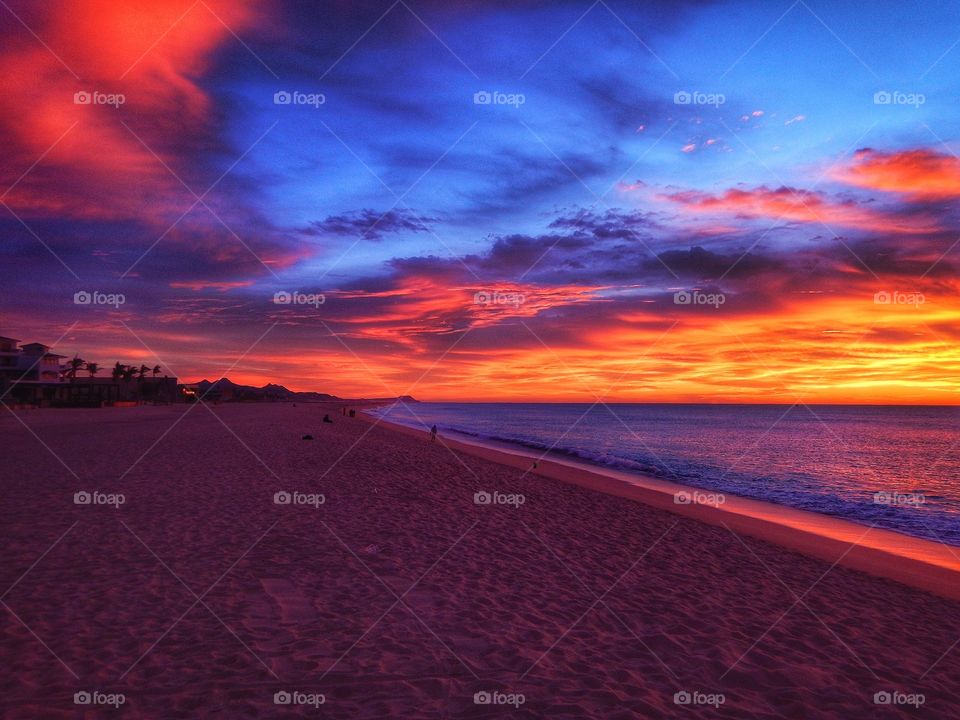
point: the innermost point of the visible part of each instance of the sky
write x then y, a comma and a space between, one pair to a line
670, 201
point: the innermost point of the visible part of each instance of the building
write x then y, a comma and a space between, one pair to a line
29, 374
9, 359
33, 375
38, 364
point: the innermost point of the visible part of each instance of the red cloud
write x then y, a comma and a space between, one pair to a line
799, 205
921, 174
88, 163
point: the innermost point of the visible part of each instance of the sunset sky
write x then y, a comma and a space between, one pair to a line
794, 162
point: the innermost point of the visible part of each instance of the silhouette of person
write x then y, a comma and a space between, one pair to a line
433, 434
326, 419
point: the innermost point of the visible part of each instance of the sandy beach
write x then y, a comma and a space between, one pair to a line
374, 586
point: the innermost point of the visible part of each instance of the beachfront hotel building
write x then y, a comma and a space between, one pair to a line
32, 375
9, 357
38, 364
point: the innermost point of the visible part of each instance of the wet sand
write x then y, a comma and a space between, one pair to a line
924, 564
399, 596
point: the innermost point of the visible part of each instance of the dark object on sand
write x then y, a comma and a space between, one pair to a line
326, 419
307, 437
353, 413
433, 434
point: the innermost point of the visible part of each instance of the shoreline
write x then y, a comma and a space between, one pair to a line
923, 564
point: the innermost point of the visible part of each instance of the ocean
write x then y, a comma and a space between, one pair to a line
895, 467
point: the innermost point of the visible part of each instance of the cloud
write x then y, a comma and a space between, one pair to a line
107, 160
222, 285
799, 205
920, 174
370, 224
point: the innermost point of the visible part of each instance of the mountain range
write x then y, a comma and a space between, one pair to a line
272, 392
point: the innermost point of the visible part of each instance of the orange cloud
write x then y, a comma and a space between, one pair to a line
920, 174
422, 305
800, 206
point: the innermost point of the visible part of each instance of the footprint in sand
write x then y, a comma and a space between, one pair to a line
295, 607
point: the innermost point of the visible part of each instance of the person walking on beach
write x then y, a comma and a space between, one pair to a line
433, 434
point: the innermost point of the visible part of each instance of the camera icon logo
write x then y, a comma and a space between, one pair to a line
682, 698
282, 97
482, 698
82, 297
282, 298
82, 97
882, 97
682, 97
881, 298
482, 98
482, 498
282, 697
82, 698
682, 497
682, 297
282, 498
82, 498
882, 697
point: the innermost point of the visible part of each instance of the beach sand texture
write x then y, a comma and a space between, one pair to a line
399, 596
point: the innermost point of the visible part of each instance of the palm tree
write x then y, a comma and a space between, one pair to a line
127, 374
141, 373
73, 366
155, 389
116, 373
92, 369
